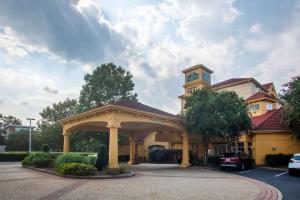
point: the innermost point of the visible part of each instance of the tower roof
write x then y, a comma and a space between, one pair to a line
200, 66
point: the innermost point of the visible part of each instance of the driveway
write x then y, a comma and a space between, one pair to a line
150, 182
289, 186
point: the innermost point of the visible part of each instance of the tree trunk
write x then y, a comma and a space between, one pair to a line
205, 146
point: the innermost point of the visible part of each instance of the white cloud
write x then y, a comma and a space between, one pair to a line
256, 28
282, 60
50, 90
87, 69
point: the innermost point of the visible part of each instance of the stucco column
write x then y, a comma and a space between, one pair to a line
113, 148
185, 151
132, 149
66, 143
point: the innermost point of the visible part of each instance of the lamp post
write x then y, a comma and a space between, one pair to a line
30, 119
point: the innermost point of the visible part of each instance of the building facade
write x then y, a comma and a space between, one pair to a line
269, 136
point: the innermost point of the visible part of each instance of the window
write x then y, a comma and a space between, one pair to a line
269, 106
191, 90
192, 76
206, 77
254, 107
241, 147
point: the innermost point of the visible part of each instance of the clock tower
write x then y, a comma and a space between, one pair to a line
196, 77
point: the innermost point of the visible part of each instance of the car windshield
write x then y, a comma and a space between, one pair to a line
228, 155
296, 157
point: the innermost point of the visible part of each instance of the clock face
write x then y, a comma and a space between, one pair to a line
192, 76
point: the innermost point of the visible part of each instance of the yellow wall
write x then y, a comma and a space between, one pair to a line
273, 143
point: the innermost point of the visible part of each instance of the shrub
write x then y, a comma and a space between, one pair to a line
116, 171
13, 156
45, 148
215, 160
72, 158
37, 160
77, 169
102, 157
277, 159
198, 161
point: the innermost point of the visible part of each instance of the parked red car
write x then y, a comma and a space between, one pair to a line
237, 160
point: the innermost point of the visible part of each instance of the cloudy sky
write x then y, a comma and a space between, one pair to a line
47, 46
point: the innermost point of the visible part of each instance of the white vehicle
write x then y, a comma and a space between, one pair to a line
294, 164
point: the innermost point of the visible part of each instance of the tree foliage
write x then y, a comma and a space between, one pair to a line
213, 114
6, 121
107, 83
291, 99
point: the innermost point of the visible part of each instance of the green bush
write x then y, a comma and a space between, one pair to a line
72, 158
214, 160
102, 157
13, 156
116, 171
77, 169
45, 148
197, 161
37, 160
278, 159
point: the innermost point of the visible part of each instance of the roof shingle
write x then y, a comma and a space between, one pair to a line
268, 121
139, 106
260, 95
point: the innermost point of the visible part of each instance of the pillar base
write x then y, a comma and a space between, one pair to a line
185, 165
114, 167
130, 163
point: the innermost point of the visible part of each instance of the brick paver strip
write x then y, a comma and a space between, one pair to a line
61, 192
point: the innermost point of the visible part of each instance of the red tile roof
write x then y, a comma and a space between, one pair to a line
139, 106
267, 85
268, 121
230, 81
260, 95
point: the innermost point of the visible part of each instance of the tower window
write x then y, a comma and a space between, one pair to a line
192, 76
206, 77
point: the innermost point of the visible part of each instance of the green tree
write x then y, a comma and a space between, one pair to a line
20, 141
107, 83
213, 114
6, 121
52, 131
291, 109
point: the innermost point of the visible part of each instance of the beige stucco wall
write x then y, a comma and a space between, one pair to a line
244, 90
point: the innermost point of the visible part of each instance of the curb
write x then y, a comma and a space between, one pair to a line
130, 174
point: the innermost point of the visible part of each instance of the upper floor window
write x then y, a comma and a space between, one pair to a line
191, 90
254, 107
206, 77
269, 106
192, 76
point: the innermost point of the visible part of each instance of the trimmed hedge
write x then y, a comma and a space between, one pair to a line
278, 159
77, 169
9, 156
37, 160
73, 158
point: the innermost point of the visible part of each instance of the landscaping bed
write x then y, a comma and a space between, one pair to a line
73, 165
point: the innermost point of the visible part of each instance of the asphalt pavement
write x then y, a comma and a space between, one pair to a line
288, 185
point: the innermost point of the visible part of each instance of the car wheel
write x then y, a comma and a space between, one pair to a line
243, 166
291, 173
253, 165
